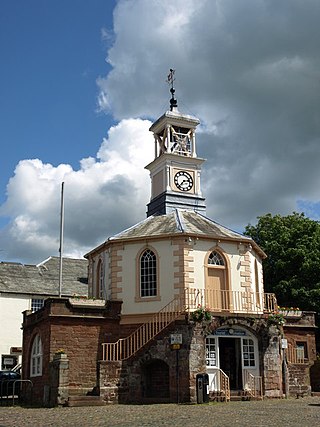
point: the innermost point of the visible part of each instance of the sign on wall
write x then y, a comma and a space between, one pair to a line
175, 339
230, 332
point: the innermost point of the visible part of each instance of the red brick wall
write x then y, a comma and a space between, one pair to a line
294, 335
299, 374
79, 332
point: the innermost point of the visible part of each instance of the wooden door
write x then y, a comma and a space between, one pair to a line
215, 285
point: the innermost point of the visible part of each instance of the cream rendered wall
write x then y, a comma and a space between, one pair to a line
130, 252
254, 257
166, 270
106, 273
104, 257
11, 308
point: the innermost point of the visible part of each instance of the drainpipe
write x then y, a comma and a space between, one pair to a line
284, 345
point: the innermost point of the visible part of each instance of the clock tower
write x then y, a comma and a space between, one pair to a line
175, 171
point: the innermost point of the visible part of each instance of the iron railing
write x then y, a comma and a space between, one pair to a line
226, 301
127, 347
252, 384
220, 384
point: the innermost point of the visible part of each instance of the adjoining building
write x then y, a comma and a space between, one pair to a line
177, 304
25, 287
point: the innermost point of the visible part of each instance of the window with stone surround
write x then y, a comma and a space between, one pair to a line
148, 274
302, 351
36, 357
100, 290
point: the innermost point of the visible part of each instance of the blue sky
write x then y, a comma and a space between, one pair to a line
81, 82
52, 53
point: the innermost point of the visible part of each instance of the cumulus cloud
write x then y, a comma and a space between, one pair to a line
249, 71
106, 194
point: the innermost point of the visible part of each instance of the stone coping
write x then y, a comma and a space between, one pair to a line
87, 303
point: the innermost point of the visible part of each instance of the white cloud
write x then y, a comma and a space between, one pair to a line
104, 196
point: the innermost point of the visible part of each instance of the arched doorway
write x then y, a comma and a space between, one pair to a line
216, 281
156, 380
234, 350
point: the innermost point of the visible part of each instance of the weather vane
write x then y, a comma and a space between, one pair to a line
170, 80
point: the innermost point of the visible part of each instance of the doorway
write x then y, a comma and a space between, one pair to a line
230, 360
156, 380
217, 296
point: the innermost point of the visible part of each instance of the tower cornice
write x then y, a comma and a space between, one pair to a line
174, 118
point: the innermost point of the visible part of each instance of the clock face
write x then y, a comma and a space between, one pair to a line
183, 181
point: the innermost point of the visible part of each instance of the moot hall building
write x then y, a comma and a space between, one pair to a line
176, 306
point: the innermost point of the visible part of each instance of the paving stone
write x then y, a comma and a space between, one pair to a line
274, 412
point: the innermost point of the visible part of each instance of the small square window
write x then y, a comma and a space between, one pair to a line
302, 350
36, 304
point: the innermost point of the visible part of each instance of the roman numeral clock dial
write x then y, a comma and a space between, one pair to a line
183, 181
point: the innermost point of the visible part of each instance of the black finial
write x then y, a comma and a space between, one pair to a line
170, 80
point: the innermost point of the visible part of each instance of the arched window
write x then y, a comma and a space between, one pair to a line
215, 259
148, 274
257, 287
36, 357
100, 281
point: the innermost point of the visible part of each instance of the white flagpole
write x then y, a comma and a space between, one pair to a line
61, 238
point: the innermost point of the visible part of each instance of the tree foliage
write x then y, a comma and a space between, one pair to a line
292, 266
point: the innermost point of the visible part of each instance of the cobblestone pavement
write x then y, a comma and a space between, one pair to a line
289, 413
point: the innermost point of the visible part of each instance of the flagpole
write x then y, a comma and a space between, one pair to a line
61, 238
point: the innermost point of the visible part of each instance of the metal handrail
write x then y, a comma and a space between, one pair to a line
252, 384
14, 382
222, 383
127, 347
225, 381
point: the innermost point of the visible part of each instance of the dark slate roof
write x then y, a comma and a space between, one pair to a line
178, 222
43, 279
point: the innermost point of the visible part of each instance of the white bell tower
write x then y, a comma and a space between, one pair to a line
175, 171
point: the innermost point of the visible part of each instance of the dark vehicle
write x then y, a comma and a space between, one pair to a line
7, 381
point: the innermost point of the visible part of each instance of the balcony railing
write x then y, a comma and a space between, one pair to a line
217, 301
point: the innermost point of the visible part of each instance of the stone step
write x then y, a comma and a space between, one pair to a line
237, 395
76, 401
